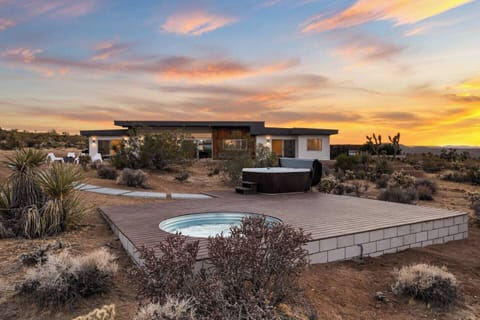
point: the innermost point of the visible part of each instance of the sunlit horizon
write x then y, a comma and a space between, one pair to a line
359, 66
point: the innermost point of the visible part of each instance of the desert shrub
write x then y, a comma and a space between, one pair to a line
382, 181
64, 278
107, 172
454, 176
476, 213
398, 195
473, 175
433, 285
433, 164
159, 150
473, 197
182, 176
172, 309
233, 167
132, 178
345, 162
259, 261
399, 179
349, 175
213, 171
264, 157
429, 184
328, 184
107, 312
40, 254
424, 193
247, 275
6, 196
84, 160
24, 165
382, 166
171, 272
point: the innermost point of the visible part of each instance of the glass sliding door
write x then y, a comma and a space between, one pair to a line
289, 148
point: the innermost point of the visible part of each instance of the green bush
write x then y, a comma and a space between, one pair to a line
398, 195
433, 164
382, 166
429, 184
433, 285
264, 157
345, 162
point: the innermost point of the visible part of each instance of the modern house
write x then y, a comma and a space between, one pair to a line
222, 138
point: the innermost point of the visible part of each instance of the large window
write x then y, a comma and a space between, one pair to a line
314, 144
235, 144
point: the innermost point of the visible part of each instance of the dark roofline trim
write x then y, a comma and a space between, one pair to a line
104, 133
130, 124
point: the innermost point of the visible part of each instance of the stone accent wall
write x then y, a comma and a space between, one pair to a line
389, 240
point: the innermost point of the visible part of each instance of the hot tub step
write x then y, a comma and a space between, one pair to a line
245, 190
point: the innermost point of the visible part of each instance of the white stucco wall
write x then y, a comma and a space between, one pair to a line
303, 153
301, 146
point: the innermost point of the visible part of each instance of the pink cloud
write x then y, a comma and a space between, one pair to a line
195, 23
399, 11
57, 8
366, 49
6, 23
109, 49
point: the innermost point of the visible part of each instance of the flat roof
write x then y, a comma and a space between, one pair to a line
104, 133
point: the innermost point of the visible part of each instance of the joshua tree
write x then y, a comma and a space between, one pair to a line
395, 140
375, 142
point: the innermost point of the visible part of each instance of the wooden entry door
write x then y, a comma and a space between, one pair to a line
277, 147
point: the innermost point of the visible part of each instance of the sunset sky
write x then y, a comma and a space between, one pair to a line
359, 66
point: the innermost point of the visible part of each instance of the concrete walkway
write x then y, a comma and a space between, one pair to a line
141, 194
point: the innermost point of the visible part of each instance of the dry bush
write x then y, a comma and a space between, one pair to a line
382, 181
64, 278
107, 172
107, 312
399, 179
259, 263
328, 184
182, 176
249, 273
133, 178
433, 285
39, 255
398, 195
424, 193
349, 175
476, 213
427, 184
170, 273
172, 309
473, 197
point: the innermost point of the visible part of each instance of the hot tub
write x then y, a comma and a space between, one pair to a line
207, 224
279, 179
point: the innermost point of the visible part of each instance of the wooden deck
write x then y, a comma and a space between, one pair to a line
324, 216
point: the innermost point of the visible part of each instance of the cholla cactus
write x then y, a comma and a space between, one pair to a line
473, 197
172, 309
107, 312
328, 184
350, 175
399, 179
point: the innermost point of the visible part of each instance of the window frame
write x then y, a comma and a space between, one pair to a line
243, 145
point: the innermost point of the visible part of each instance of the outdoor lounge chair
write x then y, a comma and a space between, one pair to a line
97, 157
52, 158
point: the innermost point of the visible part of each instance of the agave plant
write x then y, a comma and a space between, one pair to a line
24, 165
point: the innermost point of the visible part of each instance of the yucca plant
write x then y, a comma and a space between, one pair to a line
62, 206
5, 204
24, 165
6, 197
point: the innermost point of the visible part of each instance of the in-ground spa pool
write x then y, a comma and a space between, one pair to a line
207, 224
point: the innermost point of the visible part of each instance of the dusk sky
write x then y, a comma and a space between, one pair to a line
359, 66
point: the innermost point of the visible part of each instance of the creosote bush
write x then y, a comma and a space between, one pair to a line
398, 195
433, 285
64, 278
247, 275
107, 172
133, 178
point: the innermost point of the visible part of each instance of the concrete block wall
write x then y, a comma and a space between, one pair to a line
389, 240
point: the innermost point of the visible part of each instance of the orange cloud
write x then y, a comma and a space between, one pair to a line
365, 48
6, 23
195, 23
399, 11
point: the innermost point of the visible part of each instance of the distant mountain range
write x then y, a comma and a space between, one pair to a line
474, 151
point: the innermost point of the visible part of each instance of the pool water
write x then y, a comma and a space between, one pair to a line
204, 225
